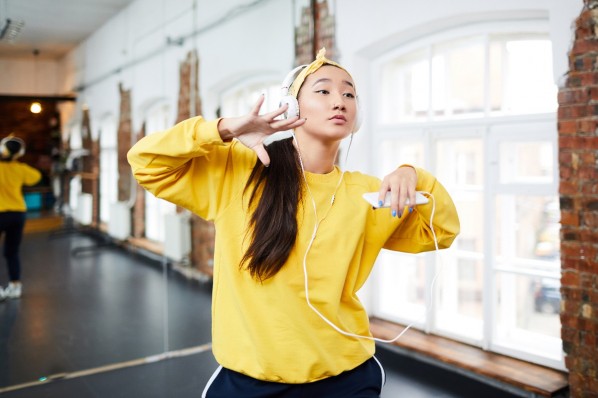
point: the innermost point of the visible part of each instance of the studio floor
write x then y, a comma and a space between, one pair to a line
110, 323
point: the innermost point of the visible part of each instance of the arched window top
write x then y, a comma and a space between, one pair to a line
468, 72
157, 116
240, 97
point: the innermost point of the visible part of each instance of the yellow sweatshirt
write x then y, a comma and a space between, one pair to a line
13, 175
266, 330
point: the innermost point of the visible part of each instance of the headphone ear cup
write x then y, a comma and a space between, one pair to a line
6, 153
4, 150
293, 109
20, 153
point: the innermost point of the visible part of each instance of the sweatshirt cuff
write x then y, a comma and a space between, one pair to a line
208, 130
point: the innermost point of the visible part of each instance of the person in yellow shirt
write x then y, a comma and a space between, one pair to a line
13, 175
295, 240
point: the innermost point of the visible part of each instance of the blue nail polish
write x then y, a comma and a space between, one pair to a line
380, 203
411, 210
394, 213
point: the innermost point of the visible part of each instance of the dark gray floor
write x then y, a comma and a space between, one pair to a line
107, 307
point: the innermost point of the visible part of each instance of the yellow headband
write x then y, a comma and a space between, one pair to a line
320, 61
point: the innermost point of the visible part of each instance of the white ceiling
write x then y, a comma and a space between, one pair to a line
54, 26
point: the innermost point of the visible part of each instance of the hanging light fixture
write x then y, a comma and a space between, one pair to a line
36, 106
9, 28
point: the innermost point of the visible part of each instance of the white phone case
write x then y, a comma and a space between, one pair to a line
372, 198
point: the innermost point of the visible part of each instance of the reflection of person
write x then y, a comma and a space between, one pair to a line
13, 175
295, 240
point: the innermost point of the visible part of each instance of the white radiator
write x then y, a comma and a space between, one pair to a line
83, 214
177, 236
119, 223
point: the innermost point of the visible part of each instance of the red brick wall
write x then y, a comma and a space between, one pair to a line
124, 144
189, 105
578, 165
312, 35
91, 166
138, 227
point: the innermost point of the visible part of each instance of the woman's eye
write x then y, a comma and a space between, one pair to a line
349, 95
323, 91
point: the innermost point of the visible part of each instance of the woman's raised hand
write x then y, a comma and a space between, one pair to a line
253, 128
401, 184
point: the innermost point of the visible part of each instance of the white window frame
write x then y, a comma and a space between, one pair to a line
75, 142
239, 97
488, 128
108, 140
157, 118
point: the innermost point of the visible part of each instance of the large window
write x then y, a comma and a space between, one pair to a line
108, 166
240, 99
477, 109
157, 119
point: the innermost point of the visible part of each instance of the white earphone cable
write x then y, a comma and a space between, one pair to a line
313, 237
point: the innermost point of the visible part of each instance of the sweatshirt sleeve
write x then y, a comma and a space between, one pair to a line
187, 165
31, 176
414, 234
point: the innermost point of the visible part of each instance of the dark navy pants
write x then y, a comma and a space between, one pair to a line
365, 381
11, 225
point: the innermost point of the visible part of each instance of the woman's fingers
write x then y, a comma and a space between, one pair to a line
286, 124
258, 105
262, 154
401, 185
275, 113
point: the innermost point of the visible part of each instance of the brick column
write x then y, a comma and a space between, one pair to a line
124, 144
91, 166
315, 29
578, 166
138, 226
189, 105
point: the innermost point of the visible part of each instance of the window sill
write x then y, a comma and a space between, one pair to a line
504, 372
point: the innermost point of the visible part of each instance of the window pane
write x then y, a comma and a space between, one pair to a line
108, 181
241, 101
528, 314
405, 88
458, 77
396, 152
155, 209
496, 86
527, 79
108, 166
526, 162
527, 228
459, 308
460, 162
460, 168
401, 286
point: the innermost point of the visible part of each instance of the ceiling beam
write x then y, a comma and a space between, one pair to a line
44, 98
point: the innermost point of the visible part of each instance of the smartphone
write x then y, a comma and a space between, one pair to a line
372, 198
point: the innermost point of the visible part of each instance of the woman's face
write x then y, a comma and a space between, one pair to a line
328, 101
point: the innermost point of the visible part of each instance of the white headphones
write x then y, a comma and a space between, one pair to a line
6, 153
293, 109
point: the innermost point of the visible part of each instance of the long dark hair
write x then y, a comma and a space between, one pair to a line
273, 223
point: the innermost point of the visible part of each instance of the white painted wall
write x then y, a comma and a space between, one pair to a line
26, 76
132, 49
255, 40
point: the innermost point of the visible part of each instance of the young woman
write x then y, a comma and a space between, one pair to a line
13, 175
295, 240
